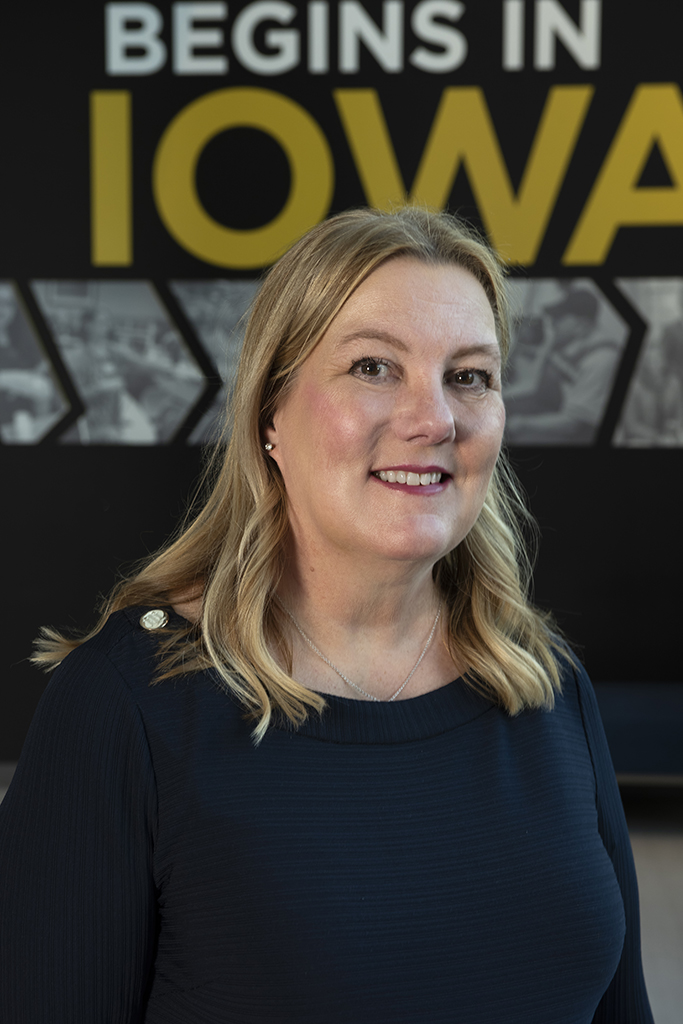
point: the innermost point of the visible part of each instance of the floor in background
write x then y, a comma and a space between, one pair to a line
655, 820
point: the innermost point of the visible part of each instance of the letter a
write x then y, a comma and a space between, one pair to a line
654, 116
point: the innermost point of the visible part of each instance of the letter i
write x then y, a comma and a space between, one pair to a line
318, 37
513, 35
111, 205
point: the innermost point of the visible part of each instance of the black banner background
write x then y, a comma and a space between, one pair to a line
611, 553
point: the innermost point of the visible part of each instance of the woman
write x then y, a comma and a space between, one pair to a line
307, 819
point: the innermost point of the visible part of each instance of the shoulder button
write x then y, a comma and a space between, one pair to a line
155, 619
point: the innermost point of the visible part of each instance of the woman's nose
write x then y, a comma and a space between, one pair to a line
425, 413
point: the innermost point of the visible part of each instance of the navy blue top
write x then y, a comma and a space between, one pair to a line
429, 860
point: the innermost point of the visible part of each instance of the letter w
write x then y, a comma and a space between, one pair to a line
463, 134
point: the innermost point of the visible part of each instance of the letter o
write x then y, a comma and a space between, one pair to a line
175, 166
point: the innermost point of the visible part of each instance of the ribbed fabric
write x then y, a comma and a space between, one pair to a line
431, 860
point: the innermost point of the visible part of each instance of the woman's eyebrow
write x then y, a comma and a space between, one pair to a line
372, 334
483, 348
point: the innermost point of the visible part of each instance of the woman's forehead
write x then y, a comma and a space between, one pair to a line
405, 294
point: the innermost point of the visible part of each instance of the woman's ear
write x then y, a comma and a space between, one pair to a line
270, 437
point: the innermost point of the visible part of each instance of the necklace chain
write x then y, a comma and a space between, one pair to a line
350, 682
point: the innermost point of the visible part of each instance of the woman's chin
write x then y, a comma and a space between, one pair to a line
416, 547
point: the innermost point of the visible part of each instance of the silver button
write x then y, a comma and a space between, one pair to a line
154, 619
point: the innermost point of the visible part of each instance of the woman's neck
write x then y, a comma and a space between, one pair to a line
372, 627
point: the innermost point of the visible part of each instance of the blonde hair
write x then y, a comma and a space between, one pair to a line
232, 552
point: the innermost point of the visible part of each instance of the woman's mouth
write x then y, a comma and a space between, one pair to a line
400, 476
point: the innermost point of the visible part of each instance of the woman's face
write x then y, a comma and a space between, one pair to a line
388, 436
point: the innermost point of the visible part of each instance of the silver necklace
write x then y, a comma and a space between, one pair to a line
350, 682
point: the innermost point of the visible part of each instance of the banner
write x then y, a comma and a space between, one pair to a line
159, 156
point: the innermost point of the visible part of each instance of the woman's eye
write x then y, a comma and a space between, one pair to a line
372, 369
472, 379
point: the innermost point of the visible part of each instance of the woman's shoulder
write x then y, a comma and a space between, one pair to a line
131, 630
116, 676
577, 707
124, 651
576, 687
96, 699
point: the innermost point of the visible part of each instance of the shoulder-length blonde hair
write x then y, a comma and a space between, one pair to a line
232, 552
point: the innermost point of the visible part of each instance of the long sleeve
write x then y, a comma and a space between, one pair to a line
77, 897
625, 1001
